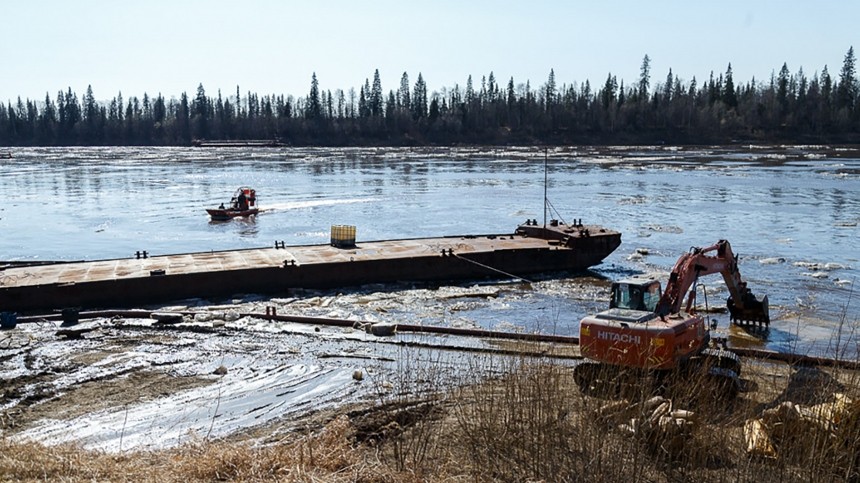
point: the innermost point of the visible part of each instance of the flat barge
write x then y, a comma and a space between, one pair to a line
143, 279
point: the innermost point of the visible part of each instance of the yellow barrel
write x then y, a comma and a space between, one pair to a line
343, 236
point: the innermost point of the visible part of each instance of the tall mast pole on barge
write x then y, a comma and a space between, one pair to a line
545, 201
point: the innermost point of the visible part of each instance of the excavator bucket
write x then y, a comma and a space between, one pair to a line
750, 310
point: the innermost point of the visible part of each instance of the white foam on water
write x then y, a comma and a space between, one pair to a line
299, 205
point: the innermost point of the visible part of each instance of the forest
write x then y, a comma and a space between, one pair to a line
790, 107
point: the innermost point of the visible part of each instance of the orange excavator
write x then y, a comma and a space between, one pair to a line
646, 330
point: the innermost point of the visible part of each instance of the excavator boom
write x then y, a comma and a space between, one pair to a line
742, 304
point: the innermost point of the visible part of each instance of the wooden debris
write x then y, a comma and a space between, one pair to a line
76, 333
166, 318
653, 421
381, 329
798, 421
757, 439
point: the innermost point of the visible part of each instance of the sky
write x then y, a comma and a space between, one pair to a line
275, 46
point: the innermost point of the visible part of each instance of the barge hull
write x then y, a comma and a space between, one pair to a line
159, 279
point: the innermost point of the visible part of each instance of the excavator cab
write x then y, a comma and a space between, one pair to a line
635, 294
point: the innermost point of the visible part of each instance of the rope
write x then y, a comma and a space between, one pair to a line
493, 269
557, 213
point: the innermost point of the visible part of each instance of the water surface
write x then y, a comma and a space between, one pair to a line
792, 213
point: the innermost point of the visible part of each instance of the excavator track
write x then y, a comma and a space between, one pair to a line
722, 358
715, 371
606, 380
720, 370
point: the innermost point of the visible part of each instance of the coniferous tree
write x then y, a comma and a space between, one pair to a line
433, 115
492, 88
826, 87
846, 91
363, 109
782, 87
668, 86
644, 79
73, 117
470, 92
729, 95
159, 118
199, 113
341, 104
419, 98
818, 108
238, 104
403, 97
390, 111
376, 96
351, 105
90, 117
314, 107
183, 119
47, 123
609, 91
713, 92
550, 90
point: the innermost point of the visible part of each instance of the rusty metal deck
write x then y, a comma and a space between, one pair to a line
121, 282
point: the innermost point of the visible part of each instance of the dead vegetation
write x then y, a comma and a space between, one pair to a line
530, 423
328, 455
505, 418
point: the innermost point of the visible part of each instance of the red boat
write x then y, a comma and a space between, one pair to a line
243, 203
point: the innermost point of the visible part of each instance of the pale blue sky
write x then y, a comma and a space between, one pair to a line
273, 47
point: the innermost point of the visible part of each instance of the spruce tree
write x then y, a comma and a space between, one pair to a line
729, 96
846, 92
550, 90
644, 79
376, 96
403, 98
419, 98
314, 107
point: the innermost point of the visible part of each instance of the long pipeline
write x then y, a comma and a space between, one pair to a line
272, 315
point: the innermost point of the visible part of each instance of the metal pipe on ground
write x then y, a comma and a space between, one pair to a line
796, 359
430, 329
271, 315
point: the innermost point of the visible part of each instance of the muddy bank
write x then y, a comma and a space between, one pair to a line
118, 384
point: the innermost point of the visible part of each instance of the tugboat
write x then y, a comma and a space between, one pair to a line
243, 203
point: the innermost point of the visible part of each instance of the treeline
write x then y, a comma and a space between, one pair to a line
788, 107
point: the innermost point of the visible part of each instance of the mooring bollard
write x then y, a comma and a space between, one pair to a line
8, 320
70, 316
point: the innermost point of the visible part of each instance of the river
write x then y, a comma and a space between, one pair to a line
790, 212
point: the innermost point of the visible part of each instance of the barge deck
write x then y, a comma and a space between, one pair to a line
147, 279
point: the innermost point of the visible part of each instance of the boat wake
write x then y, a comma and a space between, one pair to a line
298, 205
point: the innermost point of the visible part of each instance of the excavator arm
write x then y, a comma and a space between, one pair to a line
742, 304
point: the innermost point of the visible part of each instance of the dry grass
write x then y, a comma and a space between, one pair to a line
326, 456
529, 424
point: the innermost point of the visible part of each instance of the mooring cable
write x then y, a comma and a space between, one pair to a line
492, 268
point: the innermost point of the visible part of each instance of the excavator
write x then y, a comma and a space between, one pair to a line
646, 331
